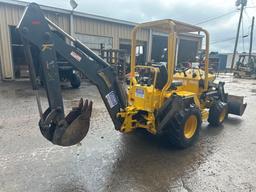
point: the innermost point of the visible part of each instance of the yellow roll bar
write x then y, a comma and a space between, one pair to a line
206, 70
171, 27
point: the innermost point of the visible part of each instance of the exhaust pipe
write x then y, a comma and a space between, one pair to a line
236, 105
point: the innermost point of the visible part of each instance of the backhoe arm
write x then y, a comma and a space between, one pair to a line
65, 131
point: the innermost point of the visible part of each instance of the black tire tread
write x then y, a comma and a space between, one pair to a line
175, 133
75, 81
215, 111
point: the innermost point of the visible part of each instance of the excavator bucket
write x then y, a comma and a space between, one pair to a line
236, 105
68, 131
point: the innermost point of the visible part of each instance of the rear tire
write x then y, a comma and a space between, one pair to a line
75, 81
218, 113
185, 128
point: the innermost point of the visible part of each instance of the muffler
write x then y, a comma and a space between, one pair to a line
70, 130
236, 105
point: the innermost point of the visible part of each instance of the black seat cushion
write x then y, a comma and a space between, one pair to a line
162, 77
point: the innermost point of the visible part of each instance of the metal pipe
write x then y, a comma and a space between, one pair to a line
206, 68
170, 64
72, 32
32, 74
133, 51
39, 106
251, 39
149, 46
60, 30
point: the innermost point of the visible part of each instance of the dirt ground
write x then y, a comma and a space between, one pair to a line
224, 159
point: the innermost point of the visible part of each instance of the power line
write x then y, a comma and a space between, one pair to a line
228, 39
223, 15
251, 7
217, 17
223, 40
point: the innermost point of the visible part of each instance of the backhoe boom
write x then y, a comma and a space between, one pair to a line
37, 30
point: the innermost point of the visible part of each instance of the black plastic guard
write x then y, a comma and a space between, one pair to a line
236, 105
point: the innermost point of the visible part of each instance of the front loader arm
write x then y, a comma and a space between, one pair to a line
37, 30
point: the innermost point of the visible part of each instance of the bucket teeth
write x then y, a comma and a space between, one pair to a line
73, 128
76, 111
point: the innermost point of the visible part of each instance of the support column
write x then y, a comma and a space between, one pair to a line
71, 25
6, 53
149, 50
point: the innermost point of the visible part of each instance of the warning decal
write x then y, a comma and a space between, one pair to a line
111, 98
76, 56
139, 93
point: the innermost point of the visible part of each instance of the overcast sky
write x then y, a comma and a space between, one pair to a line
191, 11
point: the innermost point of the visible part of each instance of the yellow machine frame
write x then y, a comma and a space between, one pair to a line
153, 98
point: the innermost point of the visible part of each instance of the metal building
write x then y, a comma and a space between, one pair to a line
92, 30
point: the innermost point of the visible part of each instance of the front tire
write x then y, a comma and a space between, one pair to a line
184, 128
75, 81
218, 113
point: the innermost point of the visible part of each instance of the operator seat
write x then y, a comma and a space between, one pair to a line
162, 77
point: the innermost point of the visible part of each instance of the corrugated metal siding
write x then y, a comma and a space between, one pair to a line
11, 14
107, 29
62, 20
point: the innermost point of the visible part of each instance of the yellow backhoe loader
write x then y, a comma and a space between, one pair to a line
159, 99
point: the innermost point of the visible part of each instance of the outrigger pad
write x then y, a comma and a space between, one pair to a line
236, 105
72, 129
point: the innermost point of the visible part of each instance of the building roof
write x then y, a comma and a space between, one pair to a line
92, 16
76, 13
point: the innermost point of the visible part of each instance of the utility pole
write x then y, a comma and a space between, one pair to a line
251, 39
243, 3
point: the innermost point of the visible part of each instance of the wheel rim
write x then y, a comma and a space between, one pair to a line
222, 115
190, 127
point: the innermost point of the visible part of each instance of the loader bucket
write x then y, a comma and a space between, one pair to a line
70, 130
236, 105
